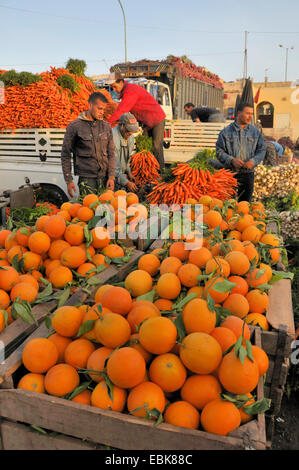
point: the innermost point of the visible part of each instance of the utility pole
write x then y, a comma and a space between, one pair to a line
245, 58
286, 64
125, 30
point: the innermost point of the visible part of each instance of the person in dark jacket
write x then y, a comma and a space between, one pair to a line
146, 109
241, 147
89, 139
203, 114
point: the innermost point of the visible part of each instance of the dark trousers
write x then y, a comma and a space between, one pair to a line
157, 134
90, 185
245, 186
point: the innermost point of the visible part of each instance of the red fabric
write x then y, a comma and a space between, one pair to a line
138, 101
257, 96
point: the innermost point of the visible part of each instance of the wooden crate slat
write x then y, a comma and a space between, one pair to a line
16, 436
108, 427
280, 310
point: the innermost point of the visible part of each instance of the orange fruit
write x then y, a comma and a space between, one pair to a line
60, 276
197, 317
101, 399
235, 234
112, 330
163, 304
8, 278
213, 219
252, 234
235, 324
126, 367
16, 251
100, 237
32, 383
86, 269
268, 270
61, 380
198, 390
257, 319
85, 214
96, 361
149, 263
170, 265
57, 247
236, 377
113, 251
237, 304
210, 285
200, 257
168, 371
117, 299
4, 234
225, 337
4, 299
140, 312
30, 279
256, 278
77, 352
243, 207
39, 355
220, 417
32, 261
181, 413
196, 290
258, 301
200, 353
168, 286
74, 234
158, 335
73, 210
239, 263
65, 215
99, 260
61, 343
23, 291
134, 343
138, 282
50, 265
270, 239
90, 199
55, 226
251, 252
84, 398
100, 292
73, 257
245, 417
10, 241
147, 396
178, 250
219, 265
275, 255
40, 223
241, 286
66, 321
188, 274
39, 242
261, 359
232, 245
243, 222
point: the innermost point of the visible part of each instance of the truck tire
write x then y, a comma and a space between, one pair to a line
51, 193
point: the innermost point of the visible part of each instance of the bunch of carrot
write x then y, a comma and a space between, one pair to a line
176, 192
45, 104
192, 183
221, 184
145, 168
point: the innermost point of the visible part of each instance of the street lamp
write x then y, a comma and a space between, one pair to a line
125, 29
287, 53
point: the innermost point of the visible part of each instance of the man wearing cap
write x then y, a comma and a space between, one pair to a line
123, 139
146, 109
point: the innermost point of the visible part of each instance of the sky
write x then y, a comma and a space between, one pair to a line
35, 35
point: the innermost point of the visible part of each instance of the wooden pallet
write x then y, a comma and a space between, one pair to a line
75, 422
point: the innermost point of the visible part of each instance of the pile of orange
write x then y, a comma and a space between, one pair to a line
56, 247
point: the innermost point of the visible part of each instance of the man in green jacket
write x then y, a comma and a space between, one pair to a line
124, 140
89, 140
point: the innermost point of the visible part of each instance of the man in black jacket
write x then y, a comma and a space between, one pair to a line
203, 114
89, 139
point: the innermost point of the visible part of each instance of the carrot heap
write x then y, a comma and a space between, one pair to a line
193, 183
46, 104
221, 184
145, 168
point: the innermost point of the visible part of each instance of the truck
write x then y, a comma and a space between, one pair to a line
33, 155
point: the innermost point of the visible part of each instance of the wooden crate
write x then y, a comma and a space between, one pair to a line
151, 231
277, 344
15, 333
97, 428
